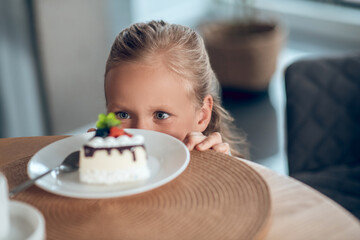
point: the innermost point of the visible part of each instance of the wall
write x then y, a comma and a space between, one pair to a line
21, 98
73, 40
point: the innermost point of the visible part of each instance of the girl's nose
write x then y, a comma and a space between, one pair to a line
141, 124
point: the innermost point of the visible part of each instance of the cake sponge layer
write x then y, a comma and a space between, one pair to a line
115, 176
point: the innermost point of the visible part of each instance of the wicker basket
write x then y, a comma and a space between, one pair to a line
243, 56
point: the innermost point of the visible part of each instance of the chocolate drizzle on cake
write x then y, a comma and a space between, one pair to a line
89, 151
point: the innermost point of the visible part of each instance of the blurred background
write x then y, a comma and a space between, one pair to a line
53, 54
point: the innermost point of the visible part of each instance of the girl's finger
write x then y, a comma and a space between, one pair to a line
222, 147
92, 130
211, 140
192, 139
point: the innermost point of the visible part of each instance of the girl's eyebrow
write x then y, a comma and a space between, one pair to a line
116, 106
161, 106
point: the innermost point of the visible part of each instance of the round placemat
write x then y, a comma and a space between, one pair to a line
216, 197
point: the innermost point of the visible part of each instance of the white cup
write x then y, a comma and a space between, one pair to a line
26, 222
19, 220
4, 208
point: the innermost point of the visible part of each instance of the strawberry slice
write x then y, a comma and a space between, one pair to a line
116, 132
128, 134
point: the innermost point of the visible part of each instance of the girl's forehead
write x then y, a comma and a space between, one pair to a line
131, 77
146, 73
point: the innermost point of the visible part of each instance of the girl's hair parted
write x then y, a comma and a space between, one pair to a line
183, 52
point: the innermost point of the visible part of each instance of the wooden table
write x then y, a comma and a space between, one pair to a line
298, 211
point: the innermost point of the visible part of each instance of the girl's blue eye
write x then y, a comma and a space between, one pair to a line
161, 115
123, 115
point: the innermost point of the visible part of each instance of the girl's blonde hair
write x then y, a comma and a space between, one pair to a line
182, 50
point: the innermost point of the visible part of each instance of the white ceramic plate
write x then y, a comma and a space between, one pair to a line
168, 157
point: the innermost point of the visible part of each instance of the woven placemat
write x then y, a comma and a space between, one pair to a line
216, 197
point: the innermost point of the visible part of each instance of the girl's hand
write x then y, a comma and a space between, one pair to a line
198, 141
92, 130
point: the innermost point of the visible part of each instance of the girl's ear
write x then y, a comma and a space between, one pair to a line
205, 113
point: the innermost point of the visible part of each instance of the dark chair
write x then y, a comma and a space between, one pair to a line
323, 126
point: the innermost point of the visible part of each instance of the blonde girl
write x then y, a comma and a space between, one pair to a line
158, 77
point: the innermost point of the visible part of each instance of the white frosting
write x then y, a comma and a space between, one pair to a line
109, 142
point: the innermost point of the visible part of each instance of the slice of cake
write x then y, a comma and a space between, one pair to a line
113, 155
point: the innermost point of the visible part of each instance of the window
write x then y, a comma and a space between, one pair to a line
350, 3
